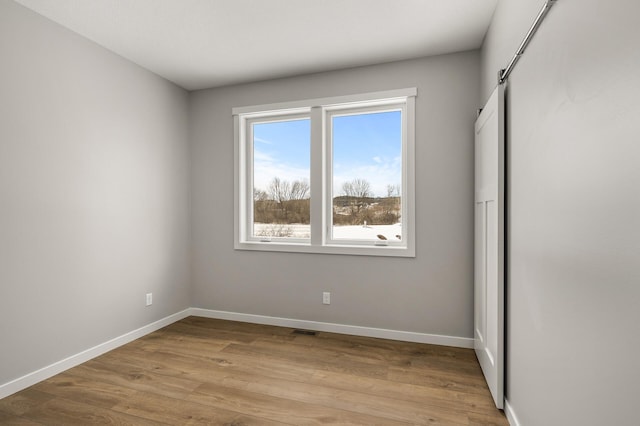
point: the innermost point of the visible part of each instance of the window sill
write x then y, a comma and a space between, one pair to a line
359, 250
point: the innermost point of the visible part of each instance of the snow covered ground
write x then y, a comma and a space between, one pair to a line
351, 232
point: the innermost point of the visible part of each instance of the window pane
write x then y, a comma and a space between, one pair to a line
367, 176
281, 192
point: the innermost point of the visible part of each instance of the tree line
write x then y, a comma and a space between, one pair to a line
284, 202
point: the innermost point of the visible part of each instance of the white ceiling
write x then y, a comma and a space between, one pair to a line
207, 43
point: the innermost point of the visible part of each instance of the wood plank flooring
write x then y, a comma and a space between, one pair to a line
204, 371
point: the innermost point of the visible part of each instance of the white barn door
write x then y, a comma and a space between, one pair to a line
489, 244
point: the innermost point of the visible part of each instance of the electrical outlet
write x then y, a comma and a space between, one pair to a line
149, 299
326, 298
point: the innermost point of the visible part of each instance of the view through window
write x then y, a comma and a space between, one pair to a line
281, 191
367, 176
331, 175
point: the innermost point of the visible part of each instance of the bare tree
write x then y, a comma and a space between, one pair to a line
347, 189
391, 204
279, 190
358, 188
299, 190
282, 202
260, 195
393, 190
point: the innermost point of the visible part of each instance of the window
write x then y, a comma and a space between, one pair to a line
332, 175
279, 162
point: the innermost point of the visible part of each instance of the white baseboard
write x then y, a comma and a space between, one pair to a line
511, 415
406, 336
44, 373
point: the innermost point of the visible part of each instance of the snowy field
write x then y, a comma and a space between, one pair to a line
351, 232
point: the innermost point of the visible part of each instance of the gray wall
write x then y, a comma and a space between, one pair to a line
431, 293
94, 199
573, 106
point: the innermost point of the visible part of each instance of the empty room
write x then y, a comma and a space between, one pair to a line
370, 212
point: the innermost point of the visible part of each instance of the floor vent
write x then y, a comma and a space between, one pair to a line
305, 332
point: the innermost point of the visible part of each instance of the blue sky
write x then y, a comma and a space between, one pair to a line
366, 146
281, 149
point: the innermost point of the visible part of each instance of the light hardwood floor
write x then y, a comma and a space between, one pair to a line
206, 371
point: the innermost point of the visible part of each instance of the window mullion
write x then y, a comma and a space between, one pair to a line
317, 177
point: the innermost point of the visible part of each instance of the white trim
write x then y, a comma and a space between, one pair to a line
405, 336
246, 178
400, 105
44, 373
319, 112
316, 177
239, 187
372, 249
409, 188
511, 415
334, 100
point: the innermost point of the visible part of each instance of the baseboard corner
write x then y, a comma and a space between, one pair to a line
48, 371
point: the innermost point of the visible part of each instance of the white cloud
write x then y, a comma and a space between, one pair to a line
387, 172
265, 169
257, 139
259, 156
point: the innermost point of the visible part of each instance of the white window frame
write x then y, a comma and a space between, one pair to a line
250, 120
320, 112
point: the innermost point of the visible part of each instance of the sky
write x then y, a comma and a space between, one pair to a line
366, 146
